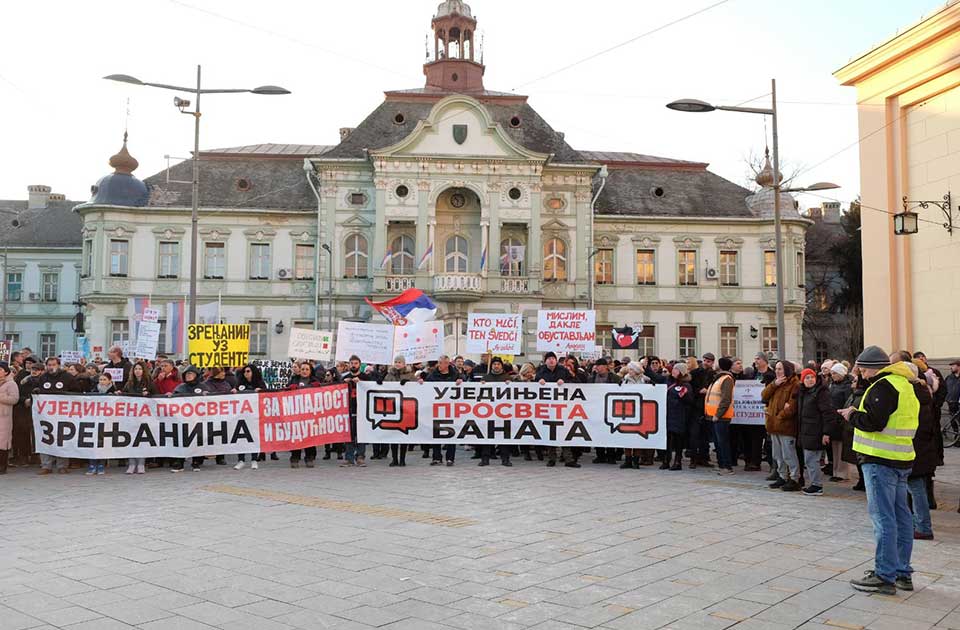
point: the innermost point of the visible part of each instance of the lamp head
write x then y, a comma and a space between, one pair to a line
123, 78
691, 105
270, 90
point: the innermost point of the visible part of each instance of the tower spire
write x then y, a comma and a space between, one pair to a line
454, 67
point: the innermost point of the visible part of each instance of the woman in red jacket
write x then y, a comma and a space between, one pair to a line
167, 378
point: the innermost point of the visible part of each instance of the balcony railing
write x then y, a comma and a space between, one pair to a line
468, 282
397, 284
515, 285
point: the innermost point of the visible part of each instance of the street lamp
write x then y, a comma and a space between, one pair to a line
696, 106
182, 105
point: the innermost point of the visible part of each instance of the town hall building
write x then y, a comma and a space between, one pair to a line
465, 193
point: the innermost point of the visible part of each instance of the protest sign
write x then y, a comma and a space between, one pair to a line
5, 351
566, 331
83, 346
111, 427
594, 354
748, 407
632, 416
276, 374
116, 374
218, 345
499, 334
310, 344
379, 343
68, 357
151, 315
148, 339
373, 343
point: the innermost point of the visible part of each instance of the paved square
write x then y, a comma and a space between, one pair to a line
437, 548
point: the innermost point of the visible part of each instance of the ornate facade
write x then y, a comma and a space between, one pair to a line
469, 195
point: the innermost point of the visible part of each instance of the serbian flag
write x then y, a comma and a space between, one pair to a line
625, 338
410, 307
386, 258
135, 308
426, 256
175, 319
483, 259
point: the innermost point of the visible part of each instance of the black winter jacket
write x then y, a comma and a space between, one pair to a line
816, 416
925, 443
680, 406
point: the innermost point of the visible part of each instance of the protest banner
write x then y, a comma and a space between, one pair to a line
499, 334
373, 343
116, 374
379, 344
566, 331
218, 345
112, 427
148, 339
748, 408
151, 315
5, 351
276, 374
68, 357
630, 416
310, 344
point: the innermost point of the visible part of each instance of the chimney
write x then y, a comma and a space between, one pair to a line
830, 210
58, 197
39, 196
344, 132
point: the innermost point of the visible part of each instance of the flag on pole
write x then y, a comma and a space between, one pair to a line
426, 256
483, 259
135, 308
413, 306
386, 258
175, 319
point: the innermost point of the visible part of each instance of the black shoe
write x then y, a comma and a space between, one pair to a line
827, 470
393, 464
791, 486
326, 455
665, 465
774, 476
836, 479
221, 460
484, 462
859, 487
506, 462
677, 466
813, 491
904, 583
627, 463
449, 462
572, 465
274, 457
436, 462
598, 460
779, 483
425, 455
870, 583
551, 464
527, 457
403, 463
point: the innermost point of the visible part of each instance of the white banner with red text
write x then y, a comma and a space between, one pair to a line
119, 427
627, 416
748, 407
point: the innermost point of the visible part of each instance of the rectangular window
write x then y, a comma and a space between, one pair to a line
14, 339
687, 268
305, 263
50, 284
214, 261
769, 268
821, 351
801, 271
603, 267
48, 345
169, 260
648, 341
119, 258
162, 338
729, 341
86, 266
119, 331
259, 261
646, 267
768, 341
688, 341
258, 338
728, 269
15, 286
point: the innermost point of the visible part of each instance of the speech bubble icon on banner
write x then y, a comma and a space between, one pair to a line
391, 411
629, 413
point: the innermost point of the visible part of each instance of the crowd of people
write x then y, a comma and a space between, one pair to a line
807, 436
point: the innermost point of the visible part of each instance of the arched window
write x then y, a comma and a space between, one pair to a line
401, 261
457, 255
355, 261
512, 252
554, 260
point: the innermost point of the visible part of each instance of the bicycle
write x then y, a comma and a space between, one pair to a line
951, 430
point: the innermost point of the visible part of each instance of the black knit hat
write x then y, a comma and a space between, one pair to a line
550, 354
873, 357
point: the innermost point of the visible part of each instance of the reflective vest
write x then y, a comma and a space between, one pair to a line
712, 402
895, 442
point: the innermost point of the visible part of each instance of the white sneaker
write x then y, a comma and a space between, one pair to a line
239, 465
132, 468
141, 469
254, 465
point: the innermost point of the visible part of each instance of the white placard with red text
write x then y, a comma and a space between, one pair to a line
566, 331
494, 333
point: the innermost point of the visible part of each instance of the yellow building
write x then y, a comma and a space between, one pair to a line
908, 95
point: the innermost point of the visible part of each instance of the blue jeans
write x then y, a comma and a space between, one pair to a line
354, 451
721, 433
892, 521
921, 506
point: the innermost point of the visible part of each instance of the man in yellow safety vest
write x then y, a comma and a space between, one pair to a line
884, 426
718, 410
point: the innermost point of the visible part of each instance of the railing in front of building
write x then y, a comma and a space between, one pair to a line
515, 285
397, 284
471, 282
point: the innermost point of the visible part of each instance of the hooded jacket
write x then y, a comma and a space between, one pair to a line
781, 401
879, 406
394, 375
190, 389
680, 405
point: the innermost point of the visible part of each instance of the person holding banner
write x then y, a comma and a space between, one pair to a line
551, 372
167, 378
249, 381
445, 372
55, 380
303, 378
399, 372
117, 360
602, 375
139, 384
634, 376
104, 387
496, 375
356, 453
9, 396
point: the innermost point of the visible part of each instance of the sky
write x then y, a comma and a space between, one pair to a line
60, 121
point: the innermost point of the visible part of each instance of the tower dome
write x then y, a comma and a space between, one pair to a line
454, 7
120, 188
454, 66
765, 176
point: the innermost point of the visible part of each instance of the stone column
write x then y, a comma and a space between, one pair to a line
423, 233
380, 236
